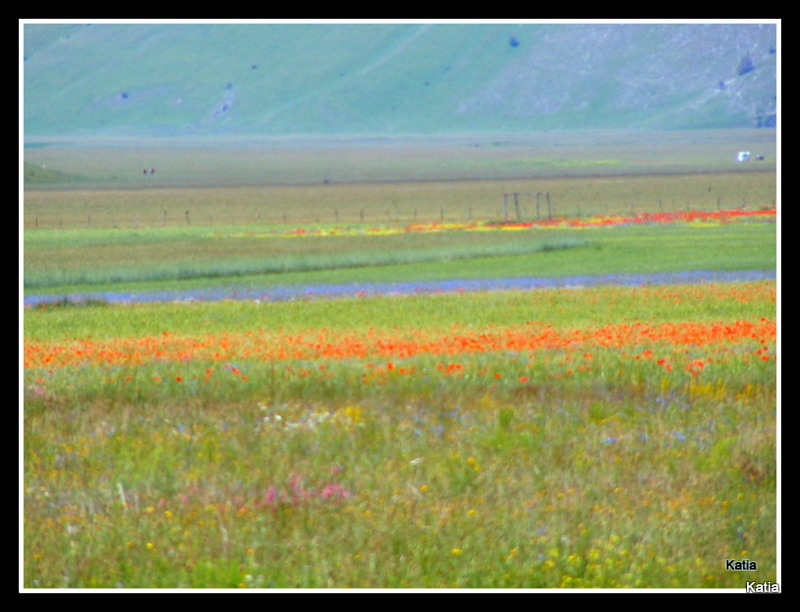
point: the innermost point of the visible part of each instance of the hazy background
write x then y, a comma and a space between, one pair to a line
123, 80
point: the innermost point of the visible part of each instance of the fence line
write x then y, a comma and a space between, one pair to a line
518, 206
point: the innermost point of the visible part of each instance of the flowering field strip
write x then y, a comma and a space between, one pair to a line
316, 345
502, 321
690, 328
83, 261
693, 217
595, 438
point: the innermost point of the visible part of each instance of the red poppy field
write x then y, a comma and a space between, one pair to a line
608, 437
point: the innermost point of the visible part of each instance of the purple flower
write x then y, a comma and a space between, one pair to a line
271, 496
335, 490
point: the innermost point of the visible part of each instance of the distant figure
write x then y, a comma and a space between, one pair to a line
152, 170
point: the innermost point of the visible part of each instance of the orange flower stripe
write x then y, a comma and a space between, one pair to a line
687, 216
374, 344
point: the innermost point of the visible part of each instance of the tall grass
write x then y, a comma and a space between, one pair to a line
158, 455
592, 438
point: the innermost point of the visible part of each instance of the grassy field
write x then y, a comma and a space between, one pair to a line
615, 437
267, 185
75, 261
343, 161
612, 437
84, 238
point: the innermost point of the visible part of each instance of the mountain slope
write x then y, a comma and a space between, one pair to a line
195, 79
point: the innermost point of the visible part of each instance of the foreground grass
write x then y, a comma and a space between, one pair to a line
616, 437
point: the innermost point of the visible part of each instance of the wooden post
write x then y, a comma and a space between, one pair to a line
516, 207
549, 209
538, 216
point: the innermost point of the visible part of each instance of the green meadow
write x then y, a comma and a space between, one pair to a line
210, 215
569, 466
75, 261
603, 438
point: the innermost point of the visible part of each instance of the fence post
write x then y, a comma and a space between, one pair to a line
549, 210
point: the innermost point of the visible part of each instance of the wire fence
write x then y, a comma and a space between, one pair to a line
507, 207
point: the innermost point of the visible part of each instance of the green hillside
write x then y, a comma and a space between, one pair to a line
211, 79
